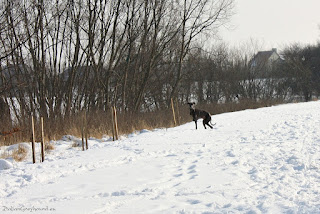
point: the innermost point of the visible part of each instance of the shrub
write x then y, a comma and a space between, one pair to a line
20, 153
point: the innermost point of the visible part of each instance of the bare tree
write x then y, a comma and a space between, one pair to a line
197, 17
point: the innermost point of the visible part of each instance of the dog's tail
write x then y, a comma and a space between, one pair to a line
212, 124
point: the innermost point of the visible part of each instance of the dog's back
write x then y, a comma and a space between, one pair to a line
201, 114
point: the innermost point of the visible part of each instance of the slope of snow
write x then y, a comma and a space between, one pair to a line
253, 161
4, 164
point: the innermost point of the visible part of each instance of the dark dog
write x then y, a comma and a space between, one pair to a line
197, 114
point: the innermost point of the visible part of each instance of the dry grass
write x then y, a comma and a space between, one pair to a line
48, 147
75, 144
10, 139
20, 153
99, 123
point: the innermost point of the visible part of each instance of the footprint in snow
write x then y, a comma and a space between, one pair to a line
236, 162
192, 171
178, 175
193, 177
119, 193
192, 167
230, 154
171, 155
194, 201
104, 195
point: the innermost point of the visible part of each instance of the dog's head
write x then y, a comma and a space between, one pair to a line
191, 105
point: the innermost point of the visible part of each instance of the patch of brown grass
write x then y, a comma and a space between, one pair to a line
48, 147
76, 144
20, 154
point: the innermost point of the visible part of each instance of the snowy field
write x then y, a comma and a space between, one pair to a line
253, 161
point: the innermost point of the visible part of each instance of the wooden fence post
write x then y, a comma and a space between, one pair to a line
33, 141
116, 123
82, 131
174, 115
42, 140
112, 118
86, 129
178, 113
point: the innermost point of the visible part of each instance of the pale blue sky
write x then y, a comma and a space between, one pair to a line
274, 23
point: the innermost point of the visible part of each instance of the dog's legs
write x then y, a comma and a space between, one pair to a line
204, 124
196, 124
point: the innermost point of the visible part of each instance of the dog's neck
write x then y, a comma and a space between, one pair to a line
195, 112
192, 109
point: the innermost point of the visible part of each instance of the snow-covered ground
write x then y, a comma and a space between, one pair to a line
254, 161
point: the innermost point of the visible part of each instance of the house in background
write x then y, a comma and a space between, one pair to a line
265, 60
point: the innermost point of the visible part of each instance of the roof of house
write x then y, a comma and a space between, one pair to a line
262, 57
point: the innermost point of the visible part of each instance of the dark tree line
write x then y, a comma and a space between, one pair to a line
59, 58
226, 75
301, 70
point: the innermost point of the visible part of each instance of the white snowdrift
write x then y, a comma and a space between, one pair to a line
4, 164
253, 161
